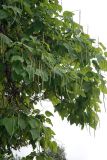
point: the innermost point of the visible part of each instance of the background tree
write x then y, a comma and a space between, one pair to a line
44, 54
59, 155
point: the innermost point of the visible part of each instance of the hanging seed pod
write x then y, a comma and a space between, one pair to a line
76, 86
42, 77
50, 78
61, 89
2, 49
86, 55
81, 58
79, 17
1, 45
68, 95
54, 75
3, 99
104, 102
34, 70
94, 129
81, 83
67, 91
38, 78
21, 5
18, 121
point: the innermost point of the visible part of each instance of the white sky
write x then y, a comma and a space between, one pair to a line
80, 145
93, 14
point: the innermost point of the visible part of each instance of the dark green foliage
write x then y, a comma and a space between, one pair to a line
45, 55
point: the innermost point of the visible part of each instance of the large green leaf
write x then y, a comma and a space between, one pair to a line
43, 74
103, 88
27, 8
13, 8
3, 14
103, 65
10, 125
22, 123
35, 133
34, 123
5, 39
68, 14
48, 114
17, 58
53, 146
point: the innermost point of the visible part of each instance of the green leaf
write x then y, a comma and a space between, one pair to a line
41, 157
105, 53
27, 8
48, 114
48, 132
5, 39
103, 88
94, 120
30, 70
43, 74
35, 133
53, 146
17, 58
101, 44
2, 67
95, 63
13, 8
100, 57
17, 68
49, 121
68, 14
21, 122
10, 125
3, 14
28, 47
54, 99
34, 123
103, 65
68, 47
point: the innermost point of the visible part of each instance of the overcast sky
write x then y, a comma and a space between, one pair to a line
93, 14
80, 145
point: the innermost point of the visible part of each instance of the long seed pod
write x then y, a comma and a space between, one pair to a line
76, 85
39, 79
68, 94
81, 58
12, 128
50, 78
67, 91
79, 17
42, 77
1, 46
61, 88
81, 83
104, 102
54, 74
34, 70
2, 49
86, 55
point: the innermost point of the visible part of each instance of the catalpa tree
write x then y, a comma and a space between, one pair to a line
44, 54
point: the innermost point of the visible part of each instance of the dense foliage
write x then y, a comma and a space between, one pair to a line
44, 54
